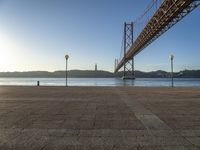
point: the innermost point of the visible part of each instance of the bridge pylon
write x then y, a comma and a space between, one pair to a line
128, 72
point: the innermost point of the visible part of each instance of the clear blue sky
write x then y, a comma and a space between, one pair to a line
36, 34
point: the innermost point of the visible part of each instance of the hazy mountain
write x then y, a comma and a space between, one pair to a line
59, 74
100, 74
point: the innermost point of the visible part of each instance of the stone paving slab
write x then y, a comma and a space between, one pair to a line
152, 122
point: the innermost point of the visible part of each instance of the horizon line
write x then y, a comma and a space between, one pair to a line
95, 70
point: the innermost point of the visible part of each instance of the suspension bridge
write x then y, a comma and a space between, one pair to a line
159, 16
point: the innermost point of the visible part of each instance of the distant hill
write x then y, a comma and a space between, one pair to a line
100, 74
59, 74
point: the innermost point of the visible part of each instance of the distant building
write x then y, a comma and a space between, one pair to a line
95, 67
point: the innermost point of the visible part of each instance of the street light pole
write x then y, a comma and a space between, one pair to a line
66, 57
172, 58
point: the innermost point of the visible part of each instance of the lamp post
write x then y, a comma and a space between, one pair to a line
171, 57
66, 57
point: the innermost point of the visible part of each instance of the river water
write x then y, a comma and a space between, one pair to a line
146, 82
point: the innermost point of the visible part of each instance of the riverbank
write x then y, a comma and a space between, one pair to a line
99, 118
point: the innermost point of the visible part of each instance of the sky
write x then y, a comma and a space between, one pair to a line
36, 34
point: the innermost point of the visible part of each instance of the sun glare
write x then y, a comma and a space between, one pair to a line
7, 53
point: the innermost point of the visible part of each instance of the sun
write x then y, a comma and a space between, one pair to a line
7, 53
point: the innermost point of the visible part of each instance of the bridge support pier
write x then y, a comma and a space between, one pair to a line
128, 42
129, 72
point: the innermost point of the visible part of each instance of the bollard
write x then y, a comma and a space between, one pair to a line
38, 83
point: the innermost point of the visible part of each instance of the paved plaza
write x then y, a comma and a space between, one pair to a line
99, 118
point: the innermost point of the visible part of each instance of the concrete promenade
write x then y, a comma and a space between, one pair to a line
99, 118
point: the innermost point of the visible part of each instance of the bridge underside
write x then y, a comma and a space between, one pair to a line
169, 13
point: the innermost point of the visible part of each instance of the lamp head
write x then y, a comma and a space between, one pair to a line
66, 57
171, 57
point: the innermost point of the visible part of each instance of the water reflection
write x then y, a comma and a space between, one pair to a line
129, 82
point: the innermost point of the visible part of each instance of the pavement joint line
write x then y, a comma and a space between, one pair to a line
148, 119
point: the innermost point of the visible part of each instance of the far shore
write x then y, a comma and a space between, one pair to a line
100, 74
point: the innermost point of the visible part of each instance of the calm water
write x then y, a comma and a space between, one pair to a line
181, 82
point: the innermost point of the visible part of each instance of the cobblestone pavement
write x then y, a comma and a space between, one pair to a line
99, 118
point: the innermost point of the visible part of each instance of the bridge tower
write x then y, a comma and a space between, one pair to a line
128, 42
